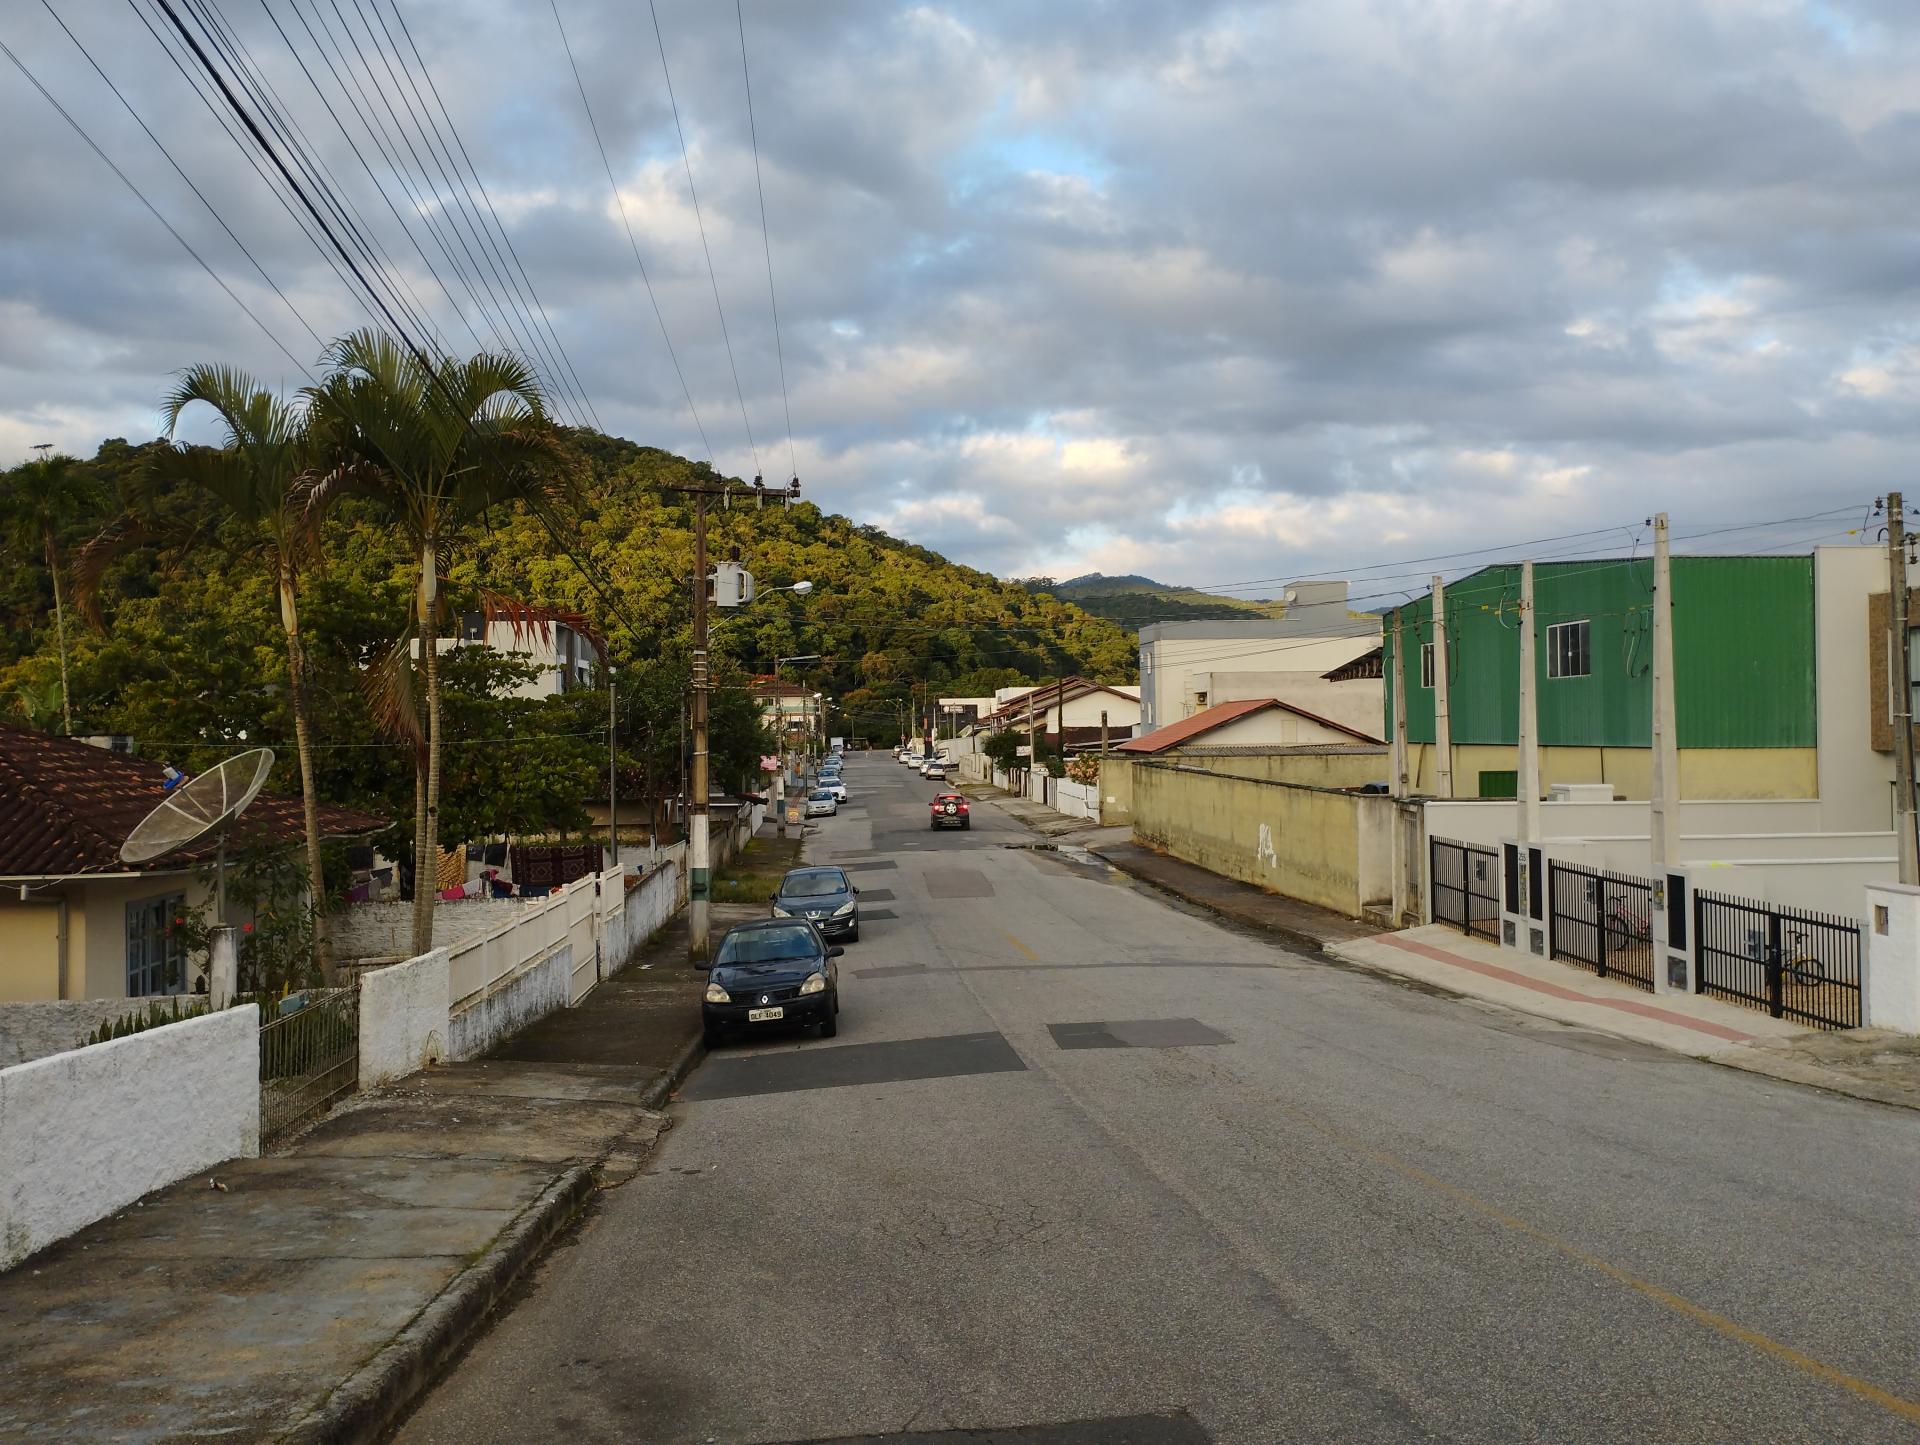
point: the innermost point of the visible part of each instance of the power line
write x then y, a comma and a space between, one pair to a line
712, 279
620, 201
766, 241
161, 146
185, 245
504, 236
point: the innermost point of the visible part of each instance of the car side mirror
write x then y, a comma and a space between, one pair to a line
836, 952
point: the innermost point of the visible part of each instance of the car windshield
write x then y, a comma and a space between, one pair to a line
767, 945
820, 795
819, 884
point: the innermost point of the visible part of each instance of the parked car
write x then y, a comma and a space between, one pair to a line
824, 896
772, 971
822, 804
950, 811
836, 787
935, 771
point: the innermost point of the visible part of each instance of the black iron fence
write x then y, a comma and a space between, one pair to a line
1464, 882
1602, 921
1791, 962
309, 1054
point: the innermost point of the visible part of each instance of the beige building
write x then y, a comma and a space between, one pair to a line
1252, 723
76, 922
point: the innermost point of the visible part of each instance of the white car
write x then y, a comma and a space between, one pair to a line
822, 804
936, 771
837, 788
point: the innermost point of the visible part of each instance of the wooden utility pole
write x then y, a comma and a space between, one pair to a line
699, 843
1902, 673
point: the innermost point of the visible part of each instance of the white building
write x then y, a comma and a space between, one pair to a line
1187, 667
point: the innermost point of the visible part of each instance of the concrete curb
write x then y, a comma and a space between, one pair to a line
1293, 937
1810, 1076
381, 1390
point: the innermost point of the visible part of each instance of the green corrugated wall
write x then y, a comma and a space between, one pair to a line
1743, 647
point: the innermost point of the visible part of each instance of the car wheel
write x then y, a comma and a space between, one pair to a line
935, 825
830, 1025
967, 827
710, 1038
854, 937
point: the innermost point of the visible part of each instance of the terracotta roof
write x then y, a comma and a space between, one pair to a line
67, 806
1173, 734
1043, 699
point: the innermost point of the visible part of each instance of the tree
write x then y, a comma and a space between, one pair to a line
40, 499
255, 484
439, 444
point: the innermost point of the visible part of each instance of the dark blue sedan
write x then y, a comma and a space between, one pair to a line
770, 973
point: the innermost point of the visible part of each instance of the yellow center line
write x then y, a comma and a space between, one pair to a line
1732, 1329
1021, 946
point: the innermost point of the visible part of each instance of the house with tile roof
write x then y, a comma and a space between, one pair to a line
1252, 722
75, 921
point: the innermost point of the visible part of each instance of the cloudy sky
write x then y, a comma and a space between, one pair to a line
1213, 292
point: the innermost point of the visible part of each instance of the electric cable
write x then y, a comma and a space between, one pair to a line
621, 202
712, 279
140, 195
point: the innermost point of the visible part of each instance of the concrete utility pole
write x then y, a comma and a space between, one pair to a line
1902, 673
1528, 781
1664, 803
1442, 720
1402, 783
613, 765
699, 844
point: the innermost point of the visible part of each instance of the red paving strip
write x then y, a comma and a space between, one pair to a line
1507, 975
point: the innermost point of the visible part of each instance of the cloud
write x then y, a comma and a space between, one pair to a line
1212, 292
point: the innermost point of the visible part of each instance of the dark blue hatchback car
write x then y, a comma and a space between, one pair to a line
770, 973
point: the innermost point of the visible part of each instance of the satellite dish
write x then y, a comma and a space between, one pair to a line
200, 806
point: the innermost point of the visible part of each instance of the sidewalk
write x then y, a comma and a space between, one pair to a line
312, 1295
1871, 1064
1043, 820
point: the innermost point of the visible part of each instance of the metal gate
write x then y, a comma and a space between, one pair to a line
1465, 886
1792, 963
309, 1054
1602, 921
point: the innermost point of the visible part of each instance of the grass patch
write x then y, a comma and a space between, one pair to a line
756, 871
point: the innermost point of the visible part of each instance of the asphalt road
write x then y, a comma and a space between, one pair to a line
1082, 1166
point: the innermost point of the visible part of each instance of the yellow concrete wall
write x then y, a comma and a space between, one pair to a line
1314, 770
29, 953
1302, 842
1116, 791
1705, 773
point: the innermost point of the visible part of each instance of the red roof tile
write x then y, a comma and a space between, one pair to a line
67, 806
1187, 729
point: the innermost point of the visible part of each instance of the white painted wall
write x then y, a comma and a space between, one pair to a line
523, 997
1856, 783
385, 930
87, 1132
1359, 704
1891, 989
1077, 800
1171, 654
403, 1018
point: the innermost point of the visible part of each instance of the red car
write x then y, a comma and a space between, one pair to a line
950, 811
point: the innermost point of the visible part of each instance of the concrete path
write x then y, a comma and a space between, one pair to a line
1083, 1165
310, 1295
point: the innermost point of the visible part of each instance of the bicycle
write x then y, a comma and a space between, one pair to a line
1796, 961
1625, 925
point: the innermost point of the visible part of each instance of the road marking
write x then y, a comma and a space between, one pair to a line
1700, 1314
1021, 946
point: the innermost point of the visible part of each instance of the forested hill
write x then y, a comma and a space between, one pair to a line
885, 616
1133, 601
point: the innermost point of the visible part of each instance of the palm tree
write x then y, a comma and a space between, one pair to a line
258, 482
438, 444
39, 500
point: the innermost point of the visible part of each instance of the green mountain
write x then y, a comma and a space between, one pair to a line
1133, 601
190, 659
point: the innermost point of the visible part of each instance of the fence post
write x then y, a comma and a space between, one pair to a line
1776, 970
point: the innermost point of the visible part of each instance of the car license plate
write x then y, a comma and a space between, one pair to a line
763, 1015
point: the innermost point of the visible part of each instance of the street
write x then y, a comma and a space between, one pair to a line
1086, 1165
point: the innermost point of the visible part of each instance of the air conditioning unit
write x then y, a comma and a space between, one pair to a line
1580, 793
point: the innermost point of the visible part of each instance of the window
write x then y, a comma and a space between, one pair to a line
156, 960
1426, 664
1568, 654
